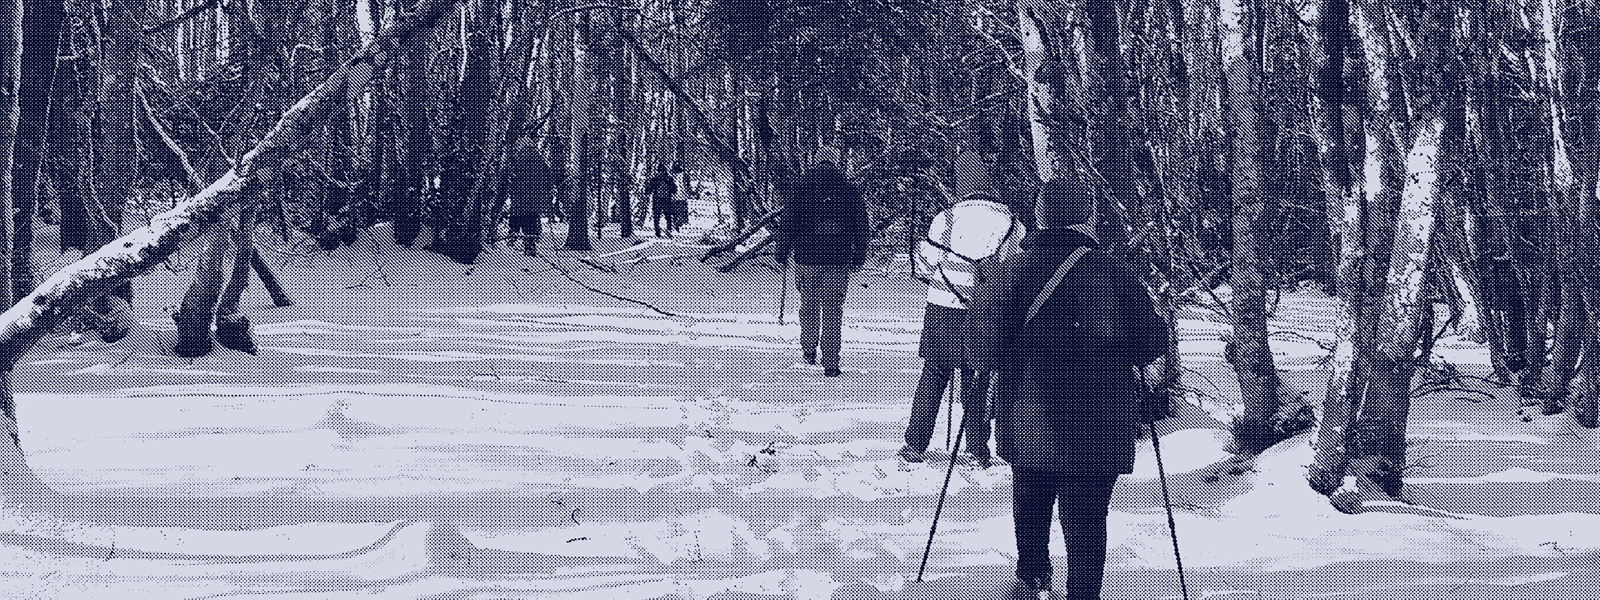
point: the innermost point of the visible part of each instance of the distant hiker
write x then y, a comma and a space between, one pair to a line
1066, 405
532, 182
824, 227
976, 229
660, 189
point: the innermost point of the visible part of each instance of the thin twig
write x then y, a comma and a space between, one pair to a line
568, 275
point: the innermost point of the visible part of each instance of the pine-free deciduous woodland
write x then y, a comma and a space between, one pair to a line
1432, 165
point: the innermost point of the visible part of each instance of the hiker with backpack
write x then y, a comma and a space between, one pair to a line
531, 184
824, 228
1066, 326
974, 230
660, 190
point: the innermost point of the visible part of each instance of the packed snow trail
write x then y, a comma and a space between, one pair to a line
512, 436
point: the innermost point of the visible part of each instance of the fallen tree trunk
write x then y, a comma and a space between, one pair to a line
746, 255
729, 245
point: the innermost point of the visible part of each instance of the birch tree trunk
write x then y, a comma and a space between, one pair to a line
1339, 133
1380, 435
1043, 74
621, 158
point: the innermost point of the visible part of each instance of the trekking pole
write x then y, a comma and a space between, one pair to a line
940, 508
783, 291
1172, 525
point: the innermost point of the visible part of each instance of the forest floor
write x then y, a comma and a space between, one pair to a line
416, 428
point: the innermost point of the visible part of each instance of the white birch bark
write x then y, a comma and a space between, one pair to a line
1037, 63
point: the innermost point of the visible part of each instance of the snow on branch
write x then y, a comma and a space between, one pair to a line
139, 251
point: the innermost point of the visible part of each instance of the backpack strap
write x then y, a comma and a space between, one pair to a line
1050, 287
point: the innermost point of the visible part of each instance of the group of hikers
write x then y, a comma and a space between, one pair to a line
532, 182
1051, 327
1059, 328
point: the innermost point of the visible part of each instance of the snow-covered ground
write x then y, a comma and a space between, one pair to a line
415, 428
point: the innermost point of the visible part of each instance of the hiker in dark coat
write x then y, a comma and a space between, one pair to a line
1067, 403
661, 189
824, 226
531, 183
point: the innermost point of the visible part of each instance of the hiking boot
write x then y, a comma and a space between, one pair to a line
1040, 586
811, 357
831, 372
909, 455
982, 461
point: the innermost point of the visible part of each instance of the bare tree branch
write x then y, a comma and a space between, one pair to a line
187, 14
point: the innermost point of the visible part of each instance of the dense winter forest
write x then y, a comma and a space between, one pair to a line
1372, 226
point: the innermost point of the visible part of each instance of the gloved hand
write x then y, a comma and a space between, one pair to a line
1154, 407
1155, 404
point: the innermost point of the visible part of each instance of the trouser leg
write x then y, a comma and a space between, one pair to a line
834, 283
1085, 506
925, 405
810, 310
974, 409
1033, 494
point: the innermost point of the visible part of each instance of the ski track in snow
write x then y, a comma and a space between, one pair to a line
464, 446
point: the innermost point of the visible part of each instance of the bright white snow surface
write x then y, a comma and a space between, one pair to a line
415, 428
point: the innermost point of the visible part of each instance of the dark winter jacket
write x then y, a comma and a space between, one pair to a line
660, 189
1067, 400
531, 182
825, 223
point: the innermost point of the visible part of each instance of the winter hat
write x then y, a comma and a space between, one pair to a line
1064, 201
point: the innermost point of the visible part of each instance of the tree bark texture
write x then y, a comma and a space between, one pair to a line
1045, 77
233, 328
10, 77
1249, 352
580, 89
197, 312
1339, 135
462, 238
41, 27
1111, 145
